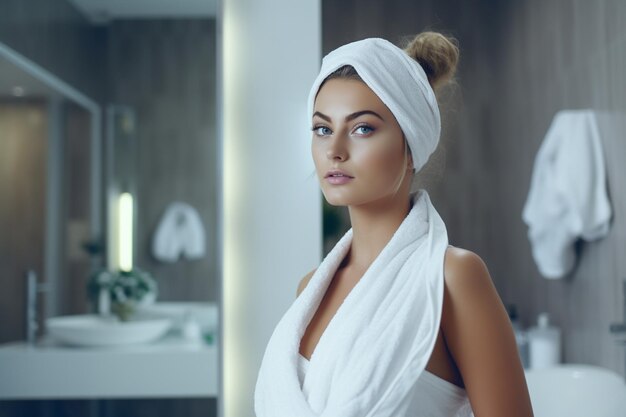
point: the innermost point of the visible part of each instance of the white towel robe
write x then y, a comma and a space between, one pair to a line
378, 342
568, 197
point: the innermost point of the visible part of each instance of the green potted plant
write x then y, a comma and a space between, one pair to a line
124, 290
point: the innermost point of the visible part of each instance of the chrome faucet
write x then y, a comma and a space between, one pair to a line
33, 288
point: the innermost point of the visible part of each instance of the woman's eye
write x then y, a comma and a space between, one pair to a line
321, 130
364, 130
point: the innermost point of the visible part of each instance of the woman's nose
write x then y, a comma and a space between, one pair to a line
337, 148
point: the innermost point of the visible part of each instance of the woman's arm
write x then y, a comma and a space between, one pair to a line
480, 337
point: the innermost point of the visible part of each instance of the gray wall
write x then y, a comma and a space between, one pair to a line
551, 56
165, 70
56, 36
520, 63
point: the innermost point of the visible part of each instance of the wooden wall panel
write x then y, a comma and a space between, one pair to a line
165, 70
76, 211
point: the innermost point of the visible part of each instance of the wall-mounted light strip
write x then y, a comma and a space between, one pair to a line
125, 231
255, 93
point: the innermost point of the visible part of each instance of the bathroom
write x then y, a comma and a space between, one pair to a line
166, 104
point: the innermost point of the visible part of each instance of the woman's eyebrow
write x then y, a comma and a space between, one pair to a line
350, 116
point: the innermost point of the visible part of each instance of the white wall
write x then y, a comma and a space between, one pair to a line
272, 231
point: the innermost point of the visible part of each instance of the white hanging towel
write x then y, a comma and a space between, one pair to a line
179, 233
568, 199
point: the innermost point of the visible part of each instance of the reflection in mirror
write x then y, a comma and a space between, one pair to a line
50, 184
108, 178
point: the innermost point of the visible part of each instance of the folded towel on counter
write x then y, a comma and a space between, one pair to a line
568, 198
380, 339
179, 233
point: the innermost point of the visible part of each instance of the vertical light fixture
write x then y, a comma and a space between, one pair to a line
256, 93
125, 231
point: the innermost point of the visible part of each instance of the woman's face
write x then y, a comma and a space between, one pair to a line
355, 132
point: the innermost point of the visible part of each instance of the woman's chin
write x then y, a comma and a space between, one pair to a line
337, 199
335, 202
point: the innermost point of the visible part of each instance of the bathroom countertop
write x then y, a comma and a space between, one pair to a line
170, 367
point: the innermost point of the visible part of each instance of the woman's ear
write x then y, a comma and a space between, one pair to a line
407, 149
410, 161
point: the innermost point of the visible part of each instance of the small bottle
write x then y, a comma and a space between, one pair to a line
544, 343
520, 335
104, 302
191, 329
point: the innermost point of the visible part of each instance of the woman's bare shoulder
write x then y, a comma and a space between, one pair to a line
304, 281
467, 280
461, 262
480, 338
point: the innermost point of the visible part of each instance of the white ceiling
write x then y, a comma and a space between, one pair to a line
102, 11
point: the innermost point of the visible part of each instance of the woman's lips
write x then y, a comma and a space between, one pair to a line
339, 180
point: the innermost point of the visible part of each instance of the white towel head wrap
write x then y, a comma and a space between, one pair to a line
399, 81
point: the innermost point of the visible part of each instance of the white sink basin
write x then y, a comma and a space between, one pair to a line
204, 313
576, 390
97, 331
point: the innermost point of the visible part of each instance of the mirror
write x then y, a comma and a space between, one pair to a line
50, 145
109, 162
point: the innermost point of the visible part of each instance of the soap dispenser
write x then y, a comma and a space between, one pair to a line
544, 343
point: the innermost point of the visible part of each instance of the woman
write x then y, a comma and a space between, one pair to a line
425, 332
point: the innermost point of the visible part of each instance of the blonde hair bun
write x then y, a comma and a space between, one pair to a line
438, 55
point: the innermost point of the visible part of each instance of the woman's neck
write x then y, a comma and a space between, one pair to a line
373, 225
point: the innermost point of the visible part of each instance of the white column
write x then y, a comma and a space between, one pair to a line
270, 52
